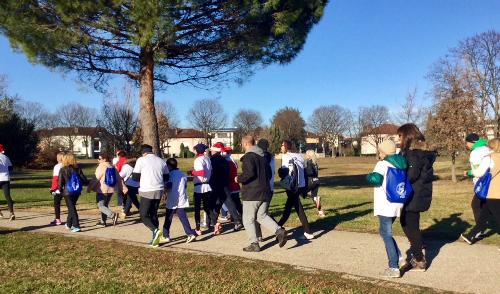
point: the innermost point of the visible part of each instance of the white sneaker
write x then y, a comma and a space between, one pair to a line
307, 236
321, 213
391, 273
164, 239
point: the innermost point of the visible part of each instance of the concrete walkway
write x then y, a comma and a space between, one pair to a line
453, 266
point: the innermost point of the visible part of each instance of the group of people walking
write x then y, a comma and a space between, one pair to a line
402, 183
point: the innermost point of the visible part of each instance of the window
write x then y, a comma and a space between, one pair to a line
222, 135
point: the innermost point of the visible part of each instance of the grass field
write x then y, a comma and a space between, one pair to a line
346, 198
57, 264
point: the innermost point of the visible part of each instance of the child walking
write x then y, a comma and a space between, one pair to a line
385, 210
177, 200
55, 192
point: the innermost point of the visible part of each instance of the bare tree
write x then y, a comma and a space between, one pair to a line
411, 111
481, 55
34, 113
371, 119
167, 123
247, 121
207, 115
74, 115
330, 123
119, 119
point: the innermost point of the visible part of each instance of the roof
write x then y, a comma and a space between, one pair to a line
388, 129
65, 131
188, 133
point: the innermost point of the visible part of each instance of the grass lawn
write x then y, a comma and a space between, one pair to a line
346, 198
49, 263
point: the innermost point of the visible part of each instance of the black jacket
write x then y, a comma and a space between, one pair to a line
311, 170
65, 173
421, 175
255, 176
220, 172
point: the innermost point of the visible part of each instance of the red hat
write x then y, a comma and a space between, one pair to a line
119, 152
1, 148
228, 149
217, 147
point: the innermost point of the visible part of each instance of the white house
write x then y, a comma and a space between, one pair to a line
86, 142
381, 133
191, 137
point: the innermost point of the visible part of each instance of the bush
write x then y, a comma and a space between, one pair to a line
18, 137
46, 157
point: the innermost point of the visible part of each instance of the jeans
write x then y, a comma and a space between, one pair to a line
5, 185
198, 199
120, 198
391, 247
131, 198
72, 220
232, 206
149, 213
410, 222
257, 211
57, 205
294, 201
103, 205
181, 213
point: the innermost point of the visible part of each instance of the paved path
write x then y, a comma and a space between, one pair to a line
454, 266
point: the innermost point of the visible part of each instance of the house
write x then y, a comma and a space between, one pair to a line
82, 141
191, 137
370, 139
226, 136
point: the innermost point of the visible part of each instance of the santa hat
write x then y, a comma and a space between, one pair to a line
120, 152
217, 147
228, 149
2, 150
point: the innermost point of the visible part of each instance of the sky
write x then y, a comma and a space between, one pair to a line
361, 53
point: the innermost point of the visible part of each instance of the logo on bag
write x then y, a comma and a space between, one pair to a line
400, 189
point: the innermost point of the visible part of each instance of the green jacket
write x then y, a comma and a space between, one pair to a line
479, 143
375, 179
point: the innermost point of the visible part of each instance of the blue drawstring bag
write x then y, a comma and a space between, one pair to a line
110, 177
74, 184
398, 187
483, 185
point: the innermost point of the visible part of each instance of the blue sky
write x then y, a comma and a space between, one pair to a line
363, 52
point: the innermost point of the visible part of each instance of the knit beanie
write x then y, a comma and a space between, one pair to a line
472, 138
388, 147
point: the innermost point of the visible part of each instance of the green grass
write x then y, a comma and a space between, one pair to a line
50, 263
346, 198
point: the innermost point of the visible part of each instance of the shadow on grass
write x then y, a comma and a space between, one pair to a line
351, 181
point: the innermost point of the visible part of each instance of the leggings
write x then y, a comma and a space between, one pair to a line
57, 205
294, 201
131, 198
484, 208
72, 220
198, 199
5, 185
410, 222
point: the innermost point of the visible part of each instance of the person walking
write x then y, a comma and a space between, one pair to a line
202, 172
107, 182
152, 173
119, 161
480, 161
312, 180
256, 194
5, 170
71, 182
387, 211
292, 166
219, 181
490, 205
177, 201
264, 145
420, 160
54, 191
233, 202
132, 188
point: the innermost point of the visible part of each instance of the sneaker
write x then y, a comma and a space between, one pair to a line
468, 240
223, 219
391, 273
67, 227
281, 237
58, 222
115, 219
75, 229
53, 223
100, 224
155, 242
307, 236
199, 232
321, 213
238, 227
164, 239
12, 217
418, 266
254, 247
260, 239
402, 262
190, 238
123, 215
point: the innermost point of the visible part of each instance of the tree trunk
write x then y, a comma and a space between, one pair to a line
453, 170
149, 124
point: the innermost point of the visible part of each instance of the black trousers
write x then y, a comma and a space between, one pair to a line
131, 198
149, 213
482, 210
234, 206
200, 198
57, 205
217, 199
72, 220
293, 200
410, 222
5, 186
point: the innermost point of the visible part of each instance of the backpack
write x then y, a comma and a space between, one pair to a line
110, 177
291, 181
74, 184
398, 187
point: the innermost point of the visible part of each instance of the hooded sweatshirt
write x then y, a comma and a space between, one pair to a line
382, 206
255, 176
479, 159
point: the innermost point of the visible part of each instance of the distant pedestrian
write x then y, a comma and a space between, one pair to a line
152, 173
202, 172
292, 172
177, 201
256, 194
5, 170
312, 180
71, 182
480, 161
55, 191
387, 211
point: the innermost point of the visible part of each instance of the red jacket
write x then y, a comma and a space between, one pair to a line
233, 172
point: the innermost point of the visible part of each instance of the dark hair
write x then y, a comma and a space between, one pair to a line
409, 134
288, 145
105, 157
146, 148
172, 162
263, 144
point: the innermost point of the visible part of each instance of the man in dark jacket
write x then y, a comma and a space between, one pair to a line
219, 182
255, 193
